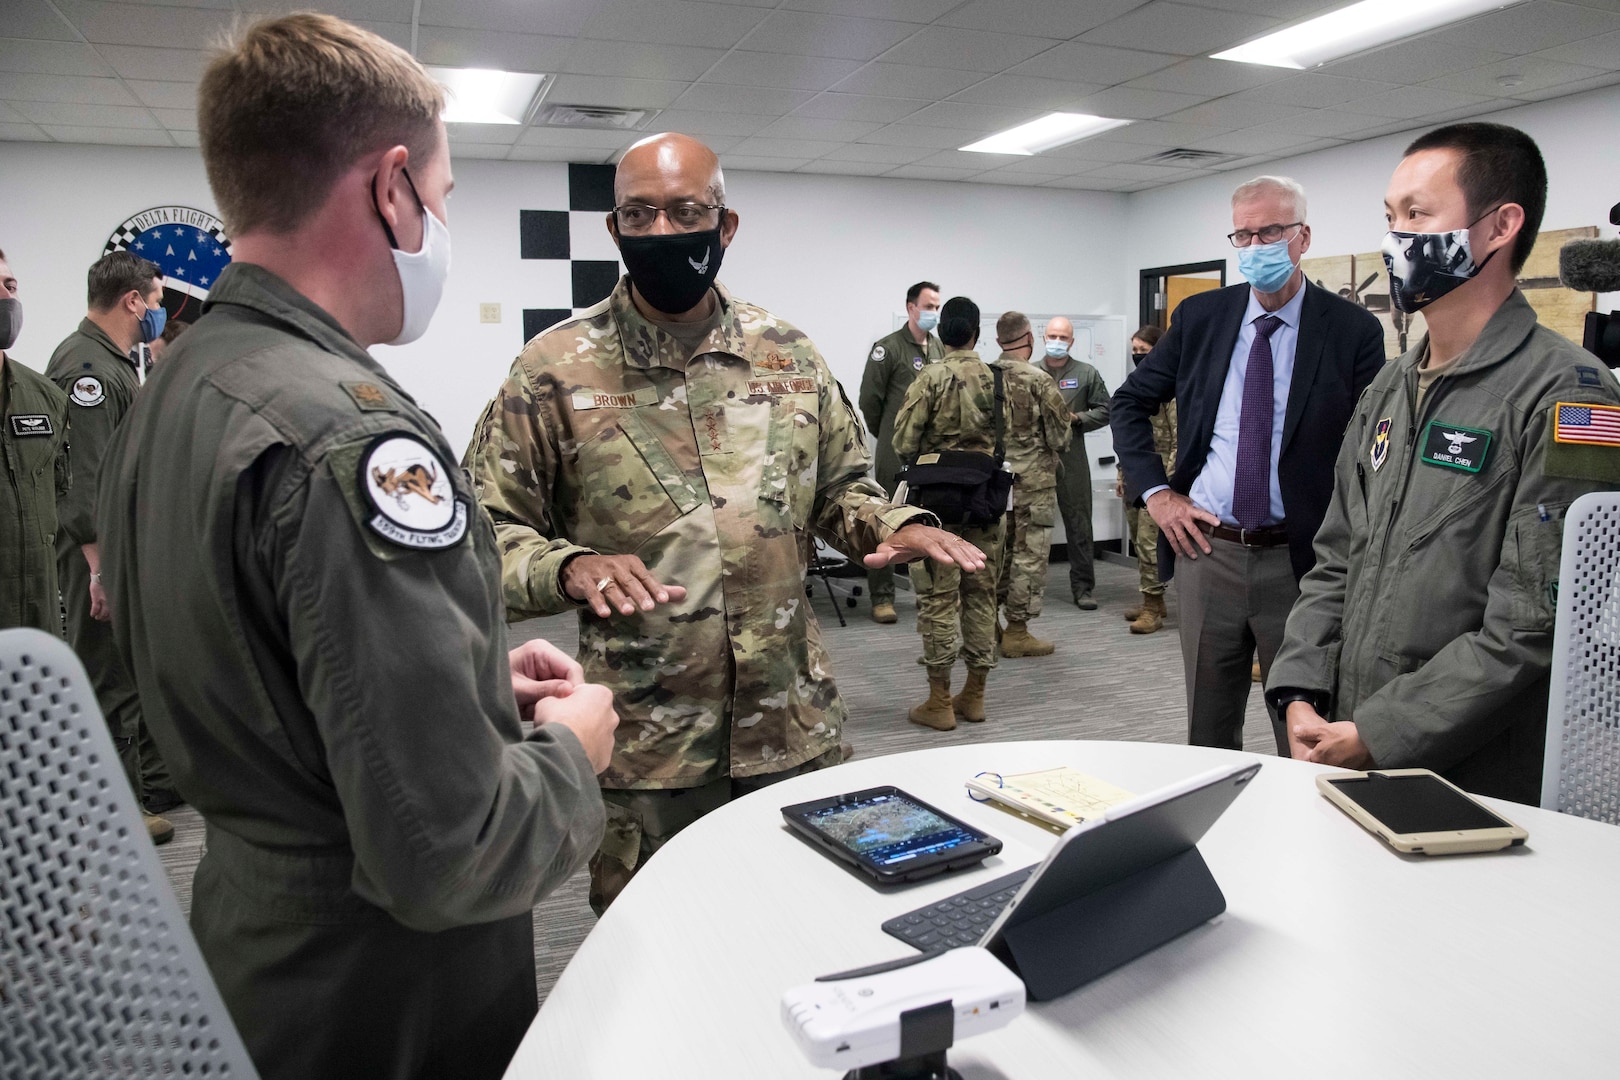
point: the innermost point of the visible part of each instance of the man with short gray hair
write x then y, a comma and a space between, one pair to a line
1265, 377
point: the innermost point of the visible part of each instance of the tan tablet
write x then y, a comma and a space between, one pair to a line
1418, 812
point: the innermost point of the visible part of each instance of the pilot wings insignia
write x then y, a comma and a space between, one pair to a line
1457, 439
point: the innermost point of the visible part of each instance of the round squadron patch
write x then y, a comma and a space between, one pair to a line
87, 390
878, 353
409, 490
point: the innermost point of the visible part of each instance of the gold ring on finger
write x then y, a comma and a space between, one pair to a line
601, 586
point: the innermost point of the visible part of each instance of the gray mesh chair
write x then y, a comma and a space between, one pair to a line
99, 974
1582, 770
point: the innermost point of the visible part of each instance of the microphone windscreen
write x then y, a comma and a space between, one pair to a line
1590, 265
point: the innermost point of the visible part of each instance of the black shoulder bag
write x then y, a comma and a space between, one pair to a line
963, 487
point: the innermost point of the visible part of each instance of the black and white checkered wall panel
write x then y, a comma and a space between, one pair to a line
578, 234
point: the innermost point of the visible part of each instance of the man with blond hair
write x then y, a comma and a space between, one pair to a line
1265, 377
309, 599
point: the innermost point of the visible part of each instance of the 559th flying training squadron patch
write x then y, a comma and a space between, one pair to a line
412, 501
87, 390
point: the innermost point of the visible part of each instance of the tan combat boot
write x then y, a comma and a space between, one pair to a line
1018, 641
1134, 613
936, 712
160, 829
969, 704
883, 612
1152, 617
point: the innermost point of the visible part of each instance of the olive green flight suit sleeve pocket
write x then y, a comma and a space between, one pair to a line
1536, 549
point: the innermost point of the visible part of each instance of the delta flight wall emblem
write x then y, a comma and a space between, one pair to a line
189, 246
1380, 446
412, 500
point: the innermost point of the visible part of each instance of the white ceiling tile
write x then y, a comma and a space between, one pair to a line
803, 33
8, 115
1231, 113
640, 61
1177, 28
1286, 10
580, 138
1016, 179
1139, 172
1160, 133
1608, 78
169, 65
1124, 103
1085, 182
705, 124
34, 19
720, 144
15, 86
1409, 62
456, 47
806, 149
1515, 77
1314, 90
1210, 77
1040, 18
883, 110
1101, 150
961, 115
779, 69
1526, 28
581, 155
29, 133
672, 22
165, 95
920, 172
759, 163
185, 138
907, 80
398, 33
556, 18
963, 159
147, 24
1254, 141
115, 136
1047, 165
908, 134
50, 57
880, 153
484, 134
829, 167
818, 127
1079, 62
177, 119
1413, 102
1023, 91
493, 151
621, 93
916, 11
353, 10
971, 50
1602, 51
710, 97
1323, 123
46, 113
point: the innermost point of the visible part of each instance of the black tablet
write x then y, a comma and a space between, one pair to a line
890, 835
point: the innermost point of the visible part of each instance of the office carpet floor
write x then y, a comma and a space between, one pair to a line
1102, 683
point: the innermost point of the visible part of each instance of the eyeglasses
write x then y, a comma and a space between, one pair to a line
684, 216
1268, 234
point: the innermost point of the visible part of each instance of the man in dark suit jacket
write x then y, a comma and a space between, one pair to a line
1254, 469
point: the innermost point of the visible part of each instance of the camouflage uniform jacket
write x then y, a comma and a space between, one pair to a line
34, 452
950, 406
604, 438
1164, 437
1038, 427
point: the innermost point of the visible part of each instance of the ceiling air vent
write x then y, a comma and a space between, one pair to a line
594, 116
1194, 158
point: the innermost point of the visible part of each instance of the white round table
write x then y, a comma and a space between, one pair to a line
1336, 957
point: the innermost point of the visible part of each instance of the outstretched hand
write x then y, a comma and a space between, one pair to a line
911, 542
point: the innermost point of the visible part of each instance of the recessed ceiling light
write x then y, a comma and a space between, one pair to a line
482, 96
1354, 29
1052, 130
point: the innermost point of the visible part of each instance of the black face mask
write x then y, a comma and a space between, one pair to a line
1137, 358
674, 270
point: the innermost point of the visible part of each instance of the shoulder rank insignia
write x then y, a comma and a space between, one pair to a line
408, 488
369, 397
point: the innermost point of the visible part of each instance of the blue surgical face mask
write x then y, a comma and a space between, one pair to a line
927, 320
152, 322
1268, 267
1056, 349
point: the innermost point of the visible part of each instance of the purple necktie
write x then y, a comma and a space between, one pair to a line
1251, 488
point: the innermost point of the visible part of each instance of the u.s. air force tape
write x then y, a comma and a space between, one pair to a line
412, 501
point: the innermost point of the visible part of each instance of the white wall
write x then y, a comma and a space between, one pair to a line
1579, 138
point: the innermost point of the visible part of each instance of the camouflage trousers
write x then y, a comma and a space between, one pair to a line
1145, 535
640, 821
956, 612
1025, 554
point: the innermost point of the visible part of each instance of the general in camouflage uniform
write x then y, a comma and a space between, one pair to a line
1038, 432
711, 463
1086, 395
952, 406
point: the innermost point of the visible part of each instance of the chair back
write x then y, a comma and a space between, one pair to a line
1581, 775
99, 973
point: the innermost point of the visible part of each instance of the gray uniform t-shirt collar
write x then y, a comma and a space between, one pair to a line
1502, 336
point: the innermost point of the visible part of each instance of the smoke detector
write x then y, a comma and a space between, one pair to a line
601, 117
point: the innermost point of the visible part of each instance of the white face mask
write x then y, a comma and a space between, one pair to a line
422, 275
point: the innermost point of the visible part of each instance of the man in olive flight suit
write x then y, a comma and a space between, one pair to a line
93, 366
1038, 432
309, 598
891, 364
657, 465
1422, 637
952, 406
34, 451
1087, 398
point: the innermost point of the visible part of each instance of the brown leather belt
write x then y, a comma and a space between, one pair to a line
1270, 536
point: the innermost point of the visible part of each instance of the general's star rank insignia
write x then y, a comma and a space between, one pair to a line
1380, 446
412, 500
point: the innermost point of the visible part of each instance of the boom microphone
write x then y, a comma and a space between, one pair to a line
1590, 265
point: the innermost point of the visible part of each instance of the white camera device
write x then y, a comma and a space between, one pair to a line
903, 1009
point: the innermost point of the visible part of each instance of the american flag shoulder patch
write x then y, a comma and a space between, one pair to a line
1587, 424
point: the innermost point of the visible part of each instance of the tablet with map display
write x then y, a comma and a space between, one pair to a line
890, 835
